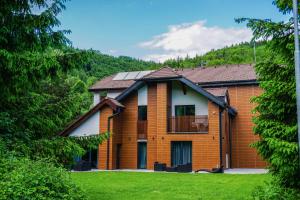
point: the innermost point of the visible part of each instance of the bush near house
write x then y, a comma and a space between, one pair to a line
21, 178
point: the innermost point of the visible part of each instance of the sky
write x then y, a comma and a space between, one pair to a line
161, 29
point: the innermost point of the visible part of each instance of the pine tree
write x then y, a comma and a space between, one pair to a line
276, 119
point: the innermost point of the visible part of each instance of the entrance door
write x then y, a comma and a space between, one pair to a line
181, 153
142, 155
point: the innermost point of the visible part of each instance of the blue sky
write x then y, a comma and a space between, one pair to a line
161, 29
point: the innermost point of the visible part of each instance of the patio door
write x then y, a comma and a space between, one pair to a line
142, 155
181, 153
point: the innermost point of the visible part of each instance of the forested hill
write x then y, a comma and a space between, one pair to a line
237, 54
95, 65
92, 63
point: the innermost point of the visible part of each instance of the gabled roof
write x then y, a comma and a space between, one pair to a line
112, 103
212, 94
204, 76
165, 72
140, 83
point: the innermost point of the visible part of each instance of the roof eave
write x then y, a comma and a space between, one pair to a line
228, 83
107, 88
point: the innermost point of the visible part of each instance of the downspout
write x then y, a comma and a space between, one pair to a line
220, 136
230, 141
108, 140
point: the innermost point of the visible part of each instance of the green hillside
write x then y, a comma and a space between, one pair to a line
237, 54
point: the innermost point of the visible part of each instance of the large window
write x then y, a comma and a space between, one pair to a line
185, 110
181, 153
142, 113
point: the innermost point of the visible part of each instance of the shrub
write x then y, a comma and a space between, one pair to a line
21, 178
273, 191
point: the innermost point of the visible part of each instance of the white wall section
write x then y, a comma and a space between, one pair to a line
96, 98
143, 96
191, 98
89, 127
113, 94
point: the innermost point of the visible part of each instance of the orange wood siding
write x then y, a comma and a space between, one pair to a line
205, 147
102, 151
244, 156
151, 117
129, 133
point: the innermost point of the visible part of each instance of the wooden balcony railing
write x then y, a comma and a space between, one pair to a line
142, 129
188, 124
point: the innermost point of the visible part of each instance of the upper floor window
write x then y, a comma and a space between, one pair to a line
142, 113
185, 110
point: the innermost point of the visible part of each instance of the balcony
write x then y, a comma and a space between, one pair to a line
188, 124
142, 129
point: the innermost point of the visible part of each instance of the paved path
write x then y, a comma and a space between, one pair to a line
227, 171
245, 171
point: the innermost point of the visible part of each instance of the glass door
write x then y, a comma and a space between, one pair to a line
181, 153
142, 155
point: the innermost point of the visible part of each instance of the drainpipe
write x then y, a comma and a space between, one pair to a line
220, 136
230, 140
108, 132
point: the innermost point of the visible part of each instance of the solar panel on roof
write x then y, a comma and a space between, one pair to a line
120, 76
143, 73
131, 75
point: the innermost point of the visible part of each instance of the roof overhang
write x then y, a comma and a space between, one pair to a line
112, 103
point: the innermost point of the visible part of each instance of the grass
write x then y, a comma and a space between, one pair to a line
138, 185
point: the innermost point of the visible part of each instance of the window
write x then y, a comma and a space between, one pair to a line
181, 153
142, 113
185, 110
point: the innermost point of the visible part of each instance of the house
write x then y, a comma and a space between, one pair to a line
199, 115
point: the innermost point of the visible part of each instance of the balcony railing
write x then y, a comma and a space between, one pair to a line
188, 124
142, 129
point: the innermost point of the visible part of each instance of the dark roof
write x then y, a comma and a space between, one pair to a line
114, 104
226, 73
165, 72
109, 83
218, 92
200, 75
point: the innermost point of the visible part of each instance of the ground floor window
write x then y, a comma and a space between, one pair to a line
181, 153
91, 157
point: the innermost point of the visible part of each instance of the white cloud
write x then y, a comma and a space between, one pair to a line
112, 51
191, 39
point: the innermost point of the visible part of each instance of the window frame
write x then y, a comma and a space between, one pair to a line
185, 110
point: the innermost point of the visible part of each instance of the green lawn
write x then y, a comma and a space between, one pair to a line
156, 186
